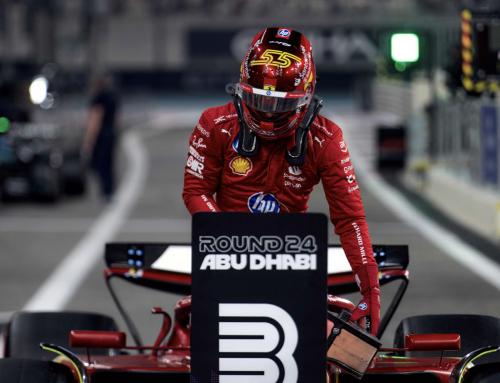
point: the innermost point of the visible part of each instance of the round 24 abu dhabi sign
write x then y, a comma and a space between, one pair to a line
259, 284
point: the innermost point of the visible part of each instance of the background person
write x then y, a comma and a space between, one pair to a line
101, 136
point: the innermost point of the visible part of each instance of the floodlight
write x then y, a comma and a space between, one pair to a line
404, 47
38, 90
4, 124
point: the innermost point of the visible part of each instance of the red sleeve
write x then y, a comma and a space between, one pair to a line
203, 167
344, 200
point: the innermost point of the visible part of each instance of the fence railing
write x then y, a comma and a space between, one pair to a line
464, 138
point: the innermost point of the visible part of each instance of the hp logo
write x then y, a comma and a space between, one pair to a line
265, 331
268, 92
284, 33
263, 203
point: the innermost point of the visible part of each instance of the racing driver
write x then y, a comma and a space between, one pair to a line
265, 151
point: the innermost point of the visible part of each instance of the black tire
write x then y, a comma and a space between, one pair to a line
475, 331
26, 330
485, 373
34, 371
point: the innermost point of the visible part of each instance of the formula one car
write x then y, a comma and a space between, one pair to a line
430, 349
38, 160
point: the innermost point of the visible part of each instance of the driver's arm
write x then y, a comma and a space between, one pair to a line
203, 167
348, 217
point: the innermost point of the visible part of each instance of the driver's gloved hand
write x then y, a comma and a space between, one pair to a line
369, 307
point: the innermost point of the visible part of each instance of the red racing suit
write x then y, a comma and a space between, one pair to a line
217, 178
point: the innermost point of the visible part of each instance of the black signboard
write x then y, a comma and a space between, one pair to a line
259, 284
486, 42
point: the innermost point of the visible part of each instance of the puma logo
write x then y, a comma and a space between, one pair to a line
320, 142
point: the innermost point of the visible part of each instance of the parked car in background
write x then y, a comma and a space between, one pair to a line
38, 160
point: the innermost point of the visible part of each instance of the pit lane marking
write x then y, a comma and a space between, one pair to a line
65, 280
447, 242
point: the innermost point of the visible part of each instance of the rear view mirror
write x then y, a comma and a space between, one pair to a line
97, 339
432, 342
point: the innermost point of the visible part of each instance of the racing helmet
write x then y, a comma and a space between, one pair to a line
277, 81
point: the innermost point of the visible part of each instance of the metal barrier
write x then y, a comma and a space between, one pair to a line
464, 138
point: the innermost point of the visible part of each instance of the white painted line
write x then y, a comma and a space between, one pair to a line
443, 239
65, 280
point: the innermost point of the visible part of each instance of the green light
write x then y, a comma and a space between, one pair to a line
4, 124
400, 66
404, 47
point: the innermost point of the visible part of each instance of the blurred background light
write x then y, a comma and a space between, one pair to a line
38, 90
404, 47
400, 66
48, 102
25, 153
49, 70
4, 124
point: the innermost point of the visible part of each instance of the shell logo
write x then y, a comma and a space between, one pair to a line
241, 166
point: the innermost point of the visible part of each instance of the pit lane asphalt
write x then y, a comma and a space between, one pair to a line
29, 252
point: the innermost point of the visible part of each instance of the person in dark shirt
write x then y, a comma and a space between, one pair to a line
101, 135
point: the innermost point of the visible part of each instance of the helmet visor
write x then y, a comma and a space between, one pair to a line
268, 101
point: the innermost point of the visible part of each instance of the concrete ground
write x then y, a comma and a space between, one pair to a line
34, 238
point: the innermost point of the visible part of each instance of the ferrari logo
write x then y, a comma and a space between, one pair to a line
282, 60
269, 87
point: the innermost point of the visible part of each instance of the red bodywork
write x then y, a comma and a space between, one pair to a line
398, 364
170, 353
173, 354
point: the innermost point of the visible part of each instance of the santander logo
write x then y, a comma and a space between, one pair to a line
295, 170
